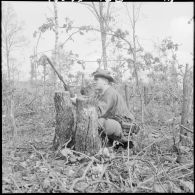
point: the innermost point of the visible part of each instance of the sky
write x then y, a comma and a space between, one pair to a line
156, 22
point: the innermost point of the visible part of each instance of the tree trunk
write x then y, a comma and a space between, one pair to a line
87, 139
127, 95
44, 79
186, 105
146, 101
142, 105
103, 35
10, 119
12, 110
140, 91
7, 60
56, 42
82, 130
64, 130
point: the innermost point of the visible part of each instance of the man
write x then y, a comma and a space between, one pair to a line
112, 109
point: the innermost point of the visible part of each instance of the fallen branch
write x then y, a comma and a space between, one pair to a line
15, 183
182, 167
161, 184
102, 174
50, 169
187, 129
81, 178
182, 176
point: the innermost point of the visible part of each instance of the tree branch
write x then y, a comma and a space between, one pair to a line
91, 9
62, 45
131, 23
98, 15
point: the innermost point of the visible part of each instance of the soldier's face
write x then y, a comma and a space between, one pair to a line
100, 83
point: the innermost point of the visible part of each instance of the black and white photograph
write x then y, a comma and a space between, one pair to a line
97, 97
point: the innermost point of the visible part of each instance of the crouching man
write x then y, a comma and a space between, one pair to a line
112, 109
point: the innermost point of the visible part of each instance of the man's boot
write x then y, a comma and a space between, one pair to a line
124, 143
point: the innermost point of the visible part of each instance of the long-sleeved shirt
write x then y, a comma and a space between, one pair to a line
112, 105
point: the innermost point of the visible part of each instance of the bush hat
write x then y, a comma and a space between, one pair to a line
103, 73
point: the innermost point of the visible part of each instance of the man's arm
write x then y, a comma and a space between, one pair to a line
106, 104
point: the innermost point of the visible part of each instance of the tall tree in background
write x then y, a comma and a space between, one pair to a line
34, 60
133, 21
11, 40
56, 39
50, 24
11, 35
101, 11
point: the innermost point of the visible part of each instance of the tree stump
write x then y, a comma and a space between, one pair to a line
87, 139
64, 130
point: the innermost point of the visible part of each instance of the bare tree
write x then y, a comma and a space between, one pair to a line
11, 35
133, 21
56, 38
102, 14
11, 40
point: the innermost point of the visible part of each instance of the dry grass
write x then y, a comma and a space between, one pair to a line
28, 166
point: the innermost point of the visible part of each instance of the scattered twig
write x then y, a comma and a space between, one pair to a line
15, 183
186, 129
41, 184
65, 144
185, 175
50, 169
182, 167
148, 147
102, 174
102, 181
81, 178
161, 184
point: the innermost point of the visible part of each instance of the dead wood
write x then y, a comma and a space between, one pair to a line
64, 130
86, 134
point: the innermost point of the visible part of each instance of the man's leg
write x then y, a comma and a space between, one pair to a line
113, 130
109, 128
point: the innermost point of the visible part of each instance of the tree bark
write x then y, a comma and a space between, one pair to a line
87, 139
140, 92
103, 35
146, 101
127, 95
64, 130
186, 105
142, 105
80, 131
10, 114
56, 43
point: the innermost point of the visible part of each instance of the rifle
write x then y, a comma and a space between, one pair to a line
66, 87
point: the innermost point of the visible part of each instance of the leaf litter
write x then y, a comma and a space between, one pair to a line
30, 167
